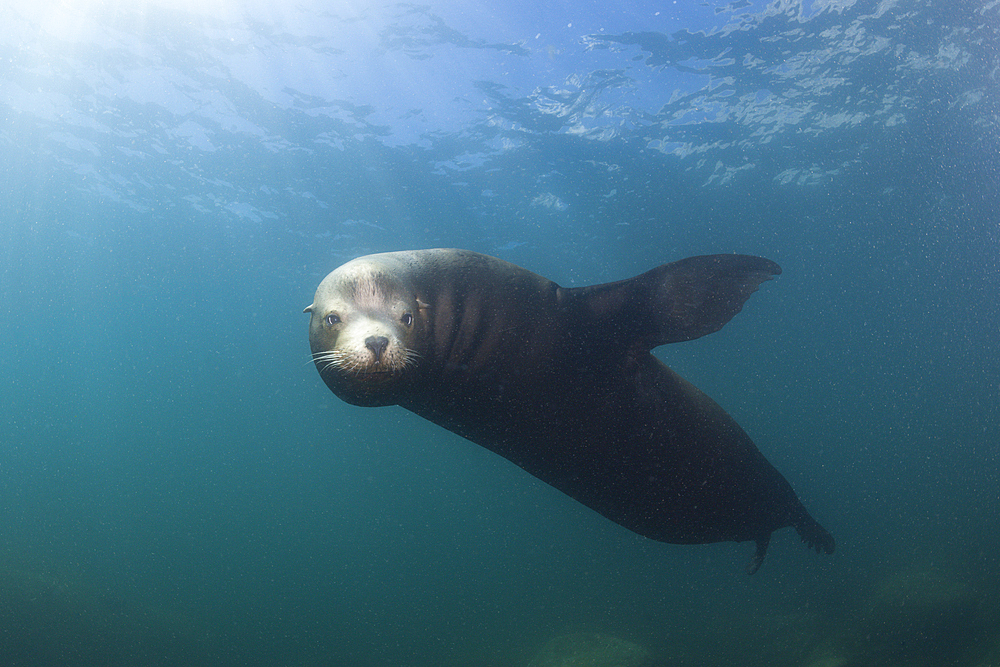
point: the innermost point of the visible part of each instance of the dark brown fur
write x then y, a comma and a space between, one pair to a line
561, 382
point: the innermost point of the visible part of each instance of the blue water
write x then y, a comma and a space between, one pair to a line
177, 486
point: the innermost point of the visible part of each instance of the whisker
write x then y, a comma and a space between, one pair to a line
348, 363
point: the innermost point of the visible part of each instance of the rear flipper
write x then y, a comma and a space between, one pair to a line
758, 556
815, 535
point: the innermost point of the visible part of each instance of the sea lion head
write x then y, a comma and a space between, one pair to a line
365, 322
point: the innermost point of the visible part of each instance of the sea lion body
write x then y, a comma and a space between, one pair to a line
562, 383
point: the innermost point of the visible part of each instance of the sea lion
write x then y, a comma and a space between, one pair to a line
562, 383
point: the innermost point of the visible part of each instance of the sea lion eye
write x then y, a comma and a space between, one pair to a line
407, 319
331, 319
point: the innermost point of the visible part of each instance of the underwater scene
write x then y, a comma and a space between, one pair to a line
179, 487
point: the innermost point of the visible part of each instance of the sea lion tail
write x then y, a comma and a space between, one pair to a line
815, 535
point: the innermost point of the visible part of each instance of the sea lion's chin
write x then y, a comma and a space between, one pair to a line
379, 386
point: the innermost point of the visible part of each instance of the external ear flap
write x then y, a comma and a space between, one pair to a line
309, 308
673, 302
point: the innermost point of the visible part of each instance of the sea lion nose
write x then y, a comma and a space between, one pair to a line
377, 345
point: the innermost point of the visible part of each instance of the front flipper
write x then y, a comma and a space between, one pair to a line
674, 302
